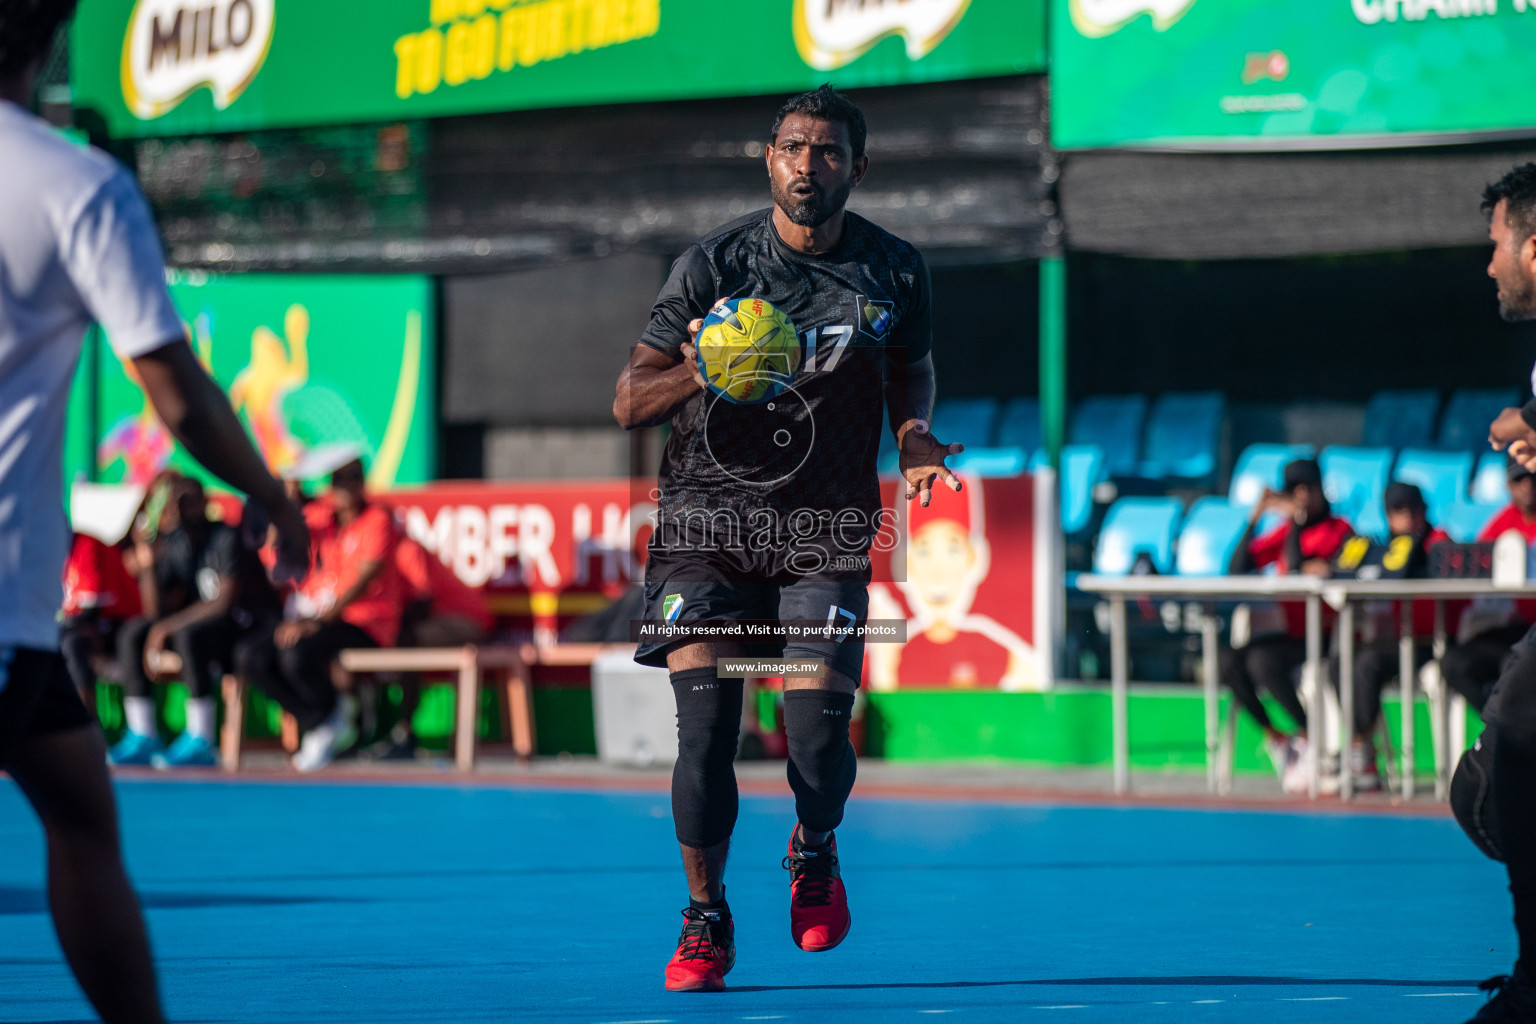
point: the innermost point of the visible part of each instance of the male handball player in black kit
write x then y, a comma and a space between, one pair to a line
1494, 789
768, 511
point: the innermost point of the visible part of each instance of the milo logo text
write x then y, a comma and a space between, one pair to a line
174, 47
831, 33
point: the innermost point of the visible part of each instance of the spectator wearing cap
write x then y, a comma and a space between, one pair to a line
351, 598
1377, 658
1492, 625
1306, 541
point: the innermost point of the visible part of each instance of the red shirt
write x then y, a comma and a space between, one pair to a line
1512, 519
96, 578
1321, 539
340, 552
970, 659
426, 578
1424, 611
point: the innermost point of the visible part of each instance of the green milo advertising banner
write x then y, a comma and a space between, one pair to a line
1273, 74
172, 67
305, 360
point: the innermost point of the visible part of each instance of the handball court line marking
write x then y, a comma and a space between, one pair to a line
1026, 795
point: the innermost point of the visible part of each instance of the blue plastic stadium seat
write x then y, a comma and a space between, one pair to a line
1082, 469
1464, 423
1442, 476
1018, 425
1113, 422
970, 421
1401, 419
1464, 520
1134, 525
1210, 535
1490, 484
988, 462
1260, 466
1183, 436
1355, 479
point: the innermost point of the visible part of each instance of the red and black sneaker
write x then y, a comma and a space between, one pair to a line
818, 904
706, 952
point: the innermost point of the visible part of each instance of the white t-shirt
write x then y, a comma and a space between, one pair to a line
77, 244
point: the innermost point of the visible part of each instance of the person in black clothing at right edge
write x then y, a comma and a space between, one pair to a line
1494, 789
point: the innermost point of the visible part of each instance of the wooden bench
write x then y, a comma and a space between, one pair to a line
514, 664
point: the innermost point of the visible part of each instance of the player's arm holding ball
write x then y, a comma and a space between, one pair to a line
909, 395
663, 370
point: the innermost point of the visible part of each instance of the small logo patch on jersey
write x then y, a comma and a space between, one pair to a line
875, 317
672, 607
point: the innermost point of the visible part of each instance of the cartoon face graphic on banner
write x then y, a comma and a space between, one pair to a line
967, 611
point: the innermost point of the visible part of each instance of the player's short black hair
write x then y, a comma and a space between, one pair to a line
27, 28
824, 104
1519, 188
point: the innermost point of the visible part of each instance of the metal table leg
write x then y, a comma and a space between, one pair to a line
1119, 686
1405, 679
1210, 669
1346, 683
1443, 749
1314, 666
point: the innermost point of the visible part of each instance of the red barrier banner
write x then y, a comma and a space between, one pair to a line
964, 566
537, 548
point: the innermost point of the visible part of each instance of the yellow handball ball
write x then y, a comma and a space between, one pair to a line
749, 351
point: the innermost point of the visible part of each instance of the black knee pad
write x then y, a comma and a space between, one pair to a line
822, 765
704, 800
1472, 797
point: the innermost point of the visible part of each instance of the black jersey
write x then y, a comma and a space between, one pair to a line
858, 309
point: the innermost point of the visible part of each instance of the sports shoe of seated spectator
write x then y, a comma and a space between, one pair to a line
329, 738
1282, 753
1363, 768
134, 749
188, 751
1296, 780
399, 745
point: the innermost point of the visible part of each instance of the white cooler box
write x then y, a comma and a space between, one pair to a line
633, 711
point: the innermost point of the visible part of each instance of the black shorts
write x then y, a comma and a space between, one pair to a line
36, 698
814, 599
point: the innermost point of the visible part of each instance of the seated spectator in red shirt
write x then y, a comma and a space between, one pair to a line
351, 598
99, 596
1377, 657
1306, 542
441, 610
1493, 625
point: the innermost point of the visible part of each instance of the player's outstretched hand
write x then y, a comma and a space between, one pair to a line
1509, 428
922, 462
691, 352
1524, 453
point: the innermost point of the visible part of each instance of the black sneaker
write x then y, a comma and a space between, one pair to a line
1512, 1000
706, 952
390, 749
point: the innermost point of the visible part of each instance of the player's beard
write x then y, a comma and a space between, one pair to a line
1517, 298
813, 210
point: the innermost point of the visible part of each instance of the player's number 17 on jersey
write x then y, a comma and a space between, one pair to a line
837, 339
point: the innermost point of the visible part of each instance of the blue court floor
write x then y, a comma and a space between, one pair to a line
400, 903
